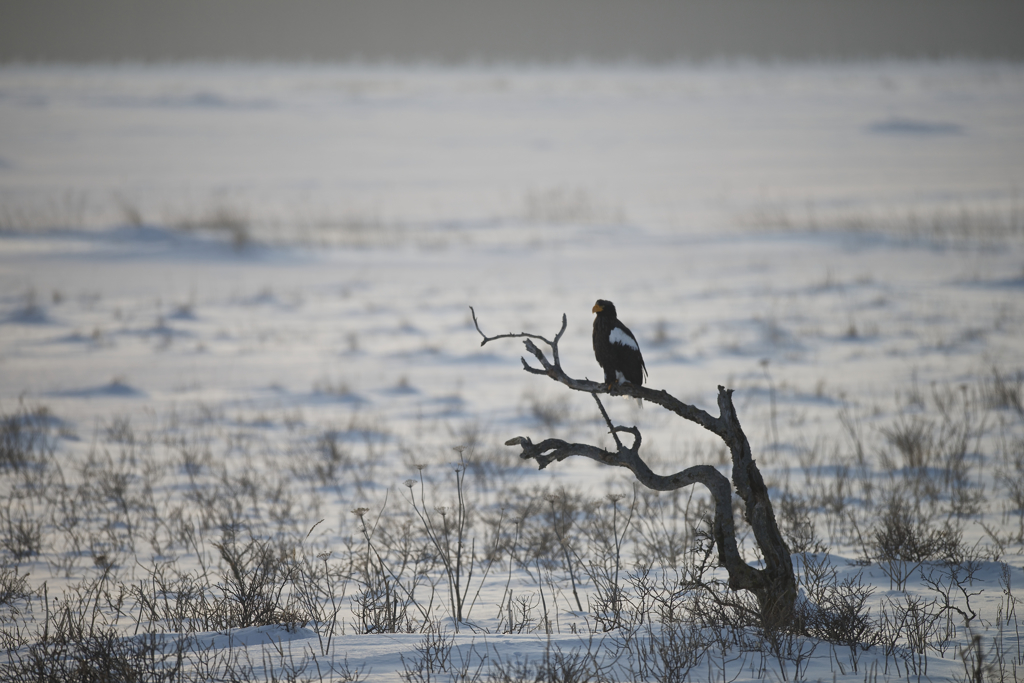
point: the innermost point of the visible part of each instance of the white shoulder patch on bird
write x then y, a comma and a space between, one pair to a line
618, 336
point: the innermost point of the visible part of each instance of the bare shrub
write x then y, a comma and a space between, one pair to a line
610, 603
95, 655
22, 536
518, 613
904, 539
555, 665
13, 586
320, 592
946, 444
221, 219
1004, 391
792, 652
952, 581
77, 642
966, 501
662, 530
252, 582
119, 430
912, 438
546, 520
182, 604
797, 525
26, 436
381, 602
1011, 473
451, 539
380, 606
907, 631
962, 423
677, 648
837, 609
334, 456
437, 654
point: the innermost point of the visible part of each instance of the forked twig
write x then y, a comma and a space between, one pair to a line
552, 343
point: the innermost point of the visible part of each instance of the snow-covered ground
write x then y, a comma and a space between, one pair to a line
217, 278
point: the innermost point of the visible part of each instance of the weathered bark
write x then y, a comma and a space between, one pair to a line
774, 586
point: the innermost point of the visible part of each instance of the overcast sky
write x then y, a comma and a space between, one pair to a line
507, 30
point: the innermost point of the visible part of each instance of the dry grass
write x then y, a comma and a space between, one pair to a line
634, 575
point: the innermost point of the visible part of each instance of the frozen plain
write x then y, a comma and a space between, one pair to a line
255, 256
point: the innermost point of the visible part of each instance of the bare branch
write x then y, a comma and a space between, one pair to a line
530, 368
631, 430
555, 372
611, 428
741, 575
530, 346
775, 584
517, 334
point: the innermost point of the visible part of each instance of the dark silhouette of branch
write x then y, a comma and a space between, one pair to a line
552, 343
775, 584
612, 429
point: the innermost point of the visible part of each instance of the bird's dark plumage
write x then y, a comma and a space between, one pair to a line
615, 347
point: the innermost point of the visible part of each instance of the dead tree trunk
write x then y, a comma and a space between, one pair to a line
774, 586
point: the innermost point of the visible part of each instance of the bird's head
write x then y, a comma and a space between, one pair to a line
605, 307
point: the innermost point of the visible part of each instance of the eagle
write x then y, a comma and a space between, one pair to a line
615, 347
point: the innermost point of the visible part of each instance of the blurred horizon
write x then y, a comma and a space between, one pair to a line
530, 31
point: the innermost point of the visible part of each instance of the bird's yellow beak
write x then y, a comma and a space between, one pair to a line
596, 309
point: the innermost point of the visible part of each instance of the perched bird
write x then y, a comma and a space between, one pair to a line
615, 347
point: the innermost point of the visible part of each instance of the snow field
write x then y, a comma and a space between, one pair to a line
236, 357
